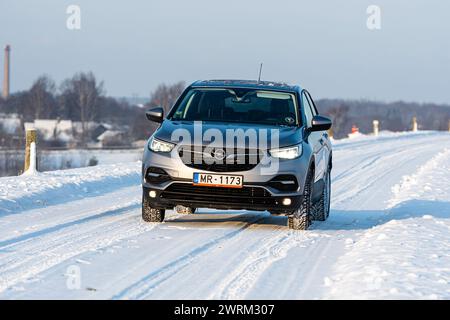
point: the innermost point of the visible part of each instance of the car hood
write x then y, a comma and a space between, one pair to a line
170, 131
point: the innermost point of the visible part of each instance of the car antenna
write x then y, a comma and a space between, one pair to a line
260, 71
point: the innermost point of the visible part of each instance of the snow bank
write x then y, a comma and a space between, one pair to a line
407, 256
419, 185
28, 192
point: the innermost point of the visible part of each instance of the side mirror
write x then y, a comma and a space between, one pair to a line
155, 114
320, 123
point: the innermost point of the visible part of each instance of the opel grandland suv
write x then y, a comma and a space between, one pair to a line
240, 145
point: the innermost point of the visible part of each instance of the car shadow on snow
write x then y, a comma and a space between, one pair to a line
338, 220
226, 218
366, 219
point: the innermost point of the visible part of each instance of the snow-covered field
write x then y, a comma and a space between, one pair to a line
388, 235
11, 161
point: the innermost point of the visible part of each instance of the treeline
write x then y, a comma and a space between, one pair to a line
82, 98
394, 116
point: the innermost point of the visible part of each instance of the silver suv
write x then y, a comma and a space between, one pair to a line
241, 145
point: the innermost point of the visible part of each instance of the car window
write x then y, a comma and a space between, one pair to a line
308, 110
238, 105
312, 104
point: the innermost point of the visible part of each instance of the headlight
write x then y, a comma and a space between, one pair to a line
160, 146
287, 153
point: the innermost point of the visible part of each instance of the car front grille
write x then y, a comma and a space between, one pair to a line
189, 192
233, 161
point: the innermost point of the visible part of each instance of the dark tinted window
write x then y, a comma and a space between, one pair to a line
238, 105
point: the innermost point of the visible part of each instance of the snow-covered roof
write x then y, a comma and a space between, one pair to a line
109, 134
52, 128
51, 124
77, 125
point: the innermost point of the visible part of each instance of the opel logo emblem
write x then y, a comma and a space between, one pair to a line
219, 154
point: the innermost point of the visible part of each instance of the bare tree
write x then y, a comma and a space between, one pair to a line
339, 115
41, 97
166, 95
82, 92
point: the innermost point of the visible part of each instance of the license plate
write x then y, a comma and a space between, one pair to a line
217, 180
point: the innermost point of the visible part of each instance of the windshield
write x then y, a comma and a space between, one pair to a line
237, 105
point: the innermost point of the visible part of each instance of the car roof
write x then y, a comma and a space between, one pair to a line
247, 84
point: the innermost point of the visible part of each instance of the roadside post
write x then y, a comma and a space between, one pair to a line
414, 124
376, 128
331, 133
30, 151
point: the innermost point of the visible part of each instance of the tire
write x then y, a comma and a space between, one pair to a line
301, 218
323, 205
184, 210
150, 214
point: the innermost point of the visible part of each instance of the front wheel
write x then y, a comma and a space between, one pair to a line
301, 218
150, 214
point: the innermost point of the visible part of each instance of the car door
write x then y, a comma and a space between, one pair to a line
323, 150
313, 138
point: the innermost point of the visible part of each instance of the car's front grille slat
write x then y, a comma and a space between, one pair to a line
241, 159
185, 192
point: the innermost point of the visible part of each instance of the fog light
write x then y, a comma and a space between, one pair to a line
152, 194
287, 201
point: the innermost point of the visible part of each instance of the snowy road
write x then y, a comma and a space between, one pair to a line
388, 235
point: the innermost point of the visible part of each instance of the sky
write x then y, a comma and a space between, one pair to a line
325, 46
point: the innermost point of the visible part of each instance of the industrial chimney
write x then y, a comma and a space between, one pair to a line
6, 72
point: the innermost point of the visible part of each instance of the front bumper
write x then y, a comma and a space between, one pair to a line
254, 198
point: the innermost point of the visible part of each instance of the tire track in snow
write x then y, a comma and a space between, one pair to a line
51, 229
354, 174
52, 250
147, 284
242, 278
372, 157
61, 233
